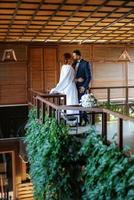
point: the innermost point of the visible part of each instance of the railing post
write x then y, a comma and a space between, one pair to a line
43, 112
58, 115
65, 100
120, 128
104, 126
126, 95
58, 100
34, 100
93, 118
38, 108
108, 95
50, 111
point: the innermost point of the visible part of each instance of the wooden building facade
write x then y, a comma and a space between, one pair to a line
38, 68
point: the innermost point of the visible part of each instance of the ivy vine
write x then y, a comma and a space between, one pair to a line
52, 153
64, 168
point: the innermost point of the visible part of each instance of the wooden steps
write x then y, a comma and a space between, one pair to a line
25, 191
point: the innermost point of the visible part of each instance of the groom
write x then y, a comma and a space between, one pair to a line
82, 78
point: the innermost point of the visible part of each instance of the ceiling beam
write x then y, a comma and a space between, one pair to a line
96, 10
116, 21
97, 21
13, 17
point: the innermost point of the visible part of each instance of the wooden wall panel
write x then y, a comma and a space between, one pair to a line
13, 83
108, 74
49, 80
131, 78
13, 94
42, 68
50, 59
130, 73
36, 58
107, 52
35, 68
130, 50
13, 75
50, 68
36, 79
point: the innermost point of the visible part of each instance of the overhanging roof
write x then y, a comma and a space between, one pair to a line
83, 21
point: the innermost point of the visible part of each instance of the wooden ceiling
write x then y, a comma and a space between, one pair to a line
83, 21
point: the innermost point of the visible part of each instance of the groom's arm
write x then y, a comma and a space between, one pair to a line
88, 75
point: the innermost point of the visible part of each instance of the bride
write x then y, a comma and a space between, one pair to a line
66, 84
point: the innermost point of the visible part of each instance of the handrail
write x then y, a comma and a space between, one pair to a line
42, 103
57, 98
114, 87
52, 109
39, 98
34, 93
119, 115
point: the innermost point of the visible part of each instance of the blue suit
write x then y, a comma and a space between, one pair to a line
83, 71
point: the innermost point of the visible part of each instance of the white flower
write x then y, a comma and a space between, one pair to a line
88, 100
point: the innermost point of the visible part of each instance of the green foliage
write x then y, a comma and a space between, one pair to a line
51, 150
62, 168
107, 174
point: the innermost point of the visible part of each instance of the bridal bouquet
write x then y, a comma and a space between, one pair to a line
88, 100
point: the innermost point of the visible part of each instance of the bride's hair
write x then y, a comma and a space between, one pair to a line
67, 57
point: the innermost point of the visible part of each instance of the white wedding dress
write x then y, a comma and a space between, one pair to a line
67, 86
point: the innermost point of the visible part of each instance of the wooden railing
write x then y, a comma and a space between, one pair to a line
58, 99
46, 107
54, 98
126, 89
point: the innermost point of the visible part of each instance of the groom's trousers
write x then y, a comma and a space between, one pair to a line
83, 115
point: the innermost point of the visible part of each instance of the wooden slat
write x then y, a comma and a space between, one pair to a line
35, 58
13, 76
25, 191
43, 68
91, 18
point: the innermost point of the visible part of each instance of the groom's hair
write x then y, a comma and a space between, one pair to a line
77, 52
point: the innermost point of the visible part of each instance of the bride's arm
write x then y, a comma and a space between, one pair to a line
80, 80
